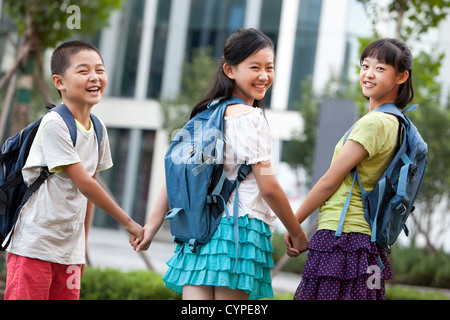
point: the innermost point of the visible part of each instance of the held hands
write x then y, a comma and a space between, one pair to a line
144, 243
136, 232
296, 245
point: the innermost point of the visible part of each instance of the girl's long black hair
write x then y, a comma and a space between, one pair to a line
398, 55
238, 47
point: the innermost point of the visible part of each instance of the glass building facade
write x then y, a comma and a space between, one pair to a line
200, 24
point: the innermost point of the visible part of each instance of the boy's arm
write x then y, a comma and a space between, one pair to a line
87, 224
92, 190
89, 213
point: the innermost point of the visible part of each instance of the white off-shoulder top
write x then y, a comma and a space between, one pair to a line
248, 139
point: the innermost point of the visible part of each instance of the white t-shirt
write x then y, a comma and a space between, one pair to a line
247, 139
50, 226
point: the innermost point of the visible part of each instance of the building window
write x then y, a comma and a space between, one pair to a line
270, 25
270, 19
128, 54
159, 48
143, 177
114, 178
129, 179
212, 22
305, 46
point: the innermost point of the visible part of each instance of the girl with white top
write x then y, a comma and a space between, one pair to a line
246, 71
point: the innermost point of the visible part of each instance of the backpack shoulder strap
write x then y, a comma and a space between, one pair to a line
355, 175
98, 128
232, 100
391, 109
69, 119
410, 108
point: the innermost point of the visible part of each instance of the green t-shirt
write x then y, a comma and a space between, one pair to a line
377, 132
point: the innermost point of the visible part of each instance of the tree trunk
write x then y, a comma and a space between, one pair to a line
22, 104
7, 104
39, 79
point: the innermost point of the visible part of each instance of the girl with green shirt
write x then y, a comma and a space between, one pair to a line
339, 267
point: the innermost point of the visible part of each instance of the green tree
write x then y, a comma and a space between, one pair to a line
433, 122
412, 18
298, 153
42, 24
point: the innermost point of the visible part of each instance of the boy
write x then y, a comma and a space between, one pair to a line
47, 251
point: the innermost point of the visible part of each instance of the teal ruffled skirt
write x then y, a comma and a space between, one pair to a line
213, 264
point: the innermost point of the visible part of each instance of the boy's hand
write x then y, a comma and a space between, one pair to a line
135, 230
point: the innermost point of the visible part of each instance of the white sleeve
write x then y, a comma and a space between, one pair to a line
104, 158
57, 145
249, 137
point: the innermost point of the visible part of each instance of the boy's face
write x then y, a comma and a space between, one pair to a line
84, 81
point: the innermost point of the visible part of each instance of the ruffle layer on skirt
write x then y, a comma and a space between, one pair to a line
343, 268
213, 264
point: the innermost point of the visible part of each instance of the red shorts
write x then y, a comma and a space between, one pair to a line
34, 279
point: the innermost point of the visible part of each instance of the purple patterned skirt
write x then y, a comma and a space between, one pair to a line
343, 268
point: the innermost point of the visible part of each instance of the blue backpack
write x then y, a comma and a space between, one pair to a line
388, 205
197, 187
14, 192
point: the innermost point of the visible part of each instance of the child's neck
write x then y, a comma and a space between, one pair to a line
373, 104
388, 97
81, 114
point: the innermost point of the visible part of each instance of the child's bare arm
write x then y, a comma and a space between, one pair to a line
156, 220
90, 188
276, 198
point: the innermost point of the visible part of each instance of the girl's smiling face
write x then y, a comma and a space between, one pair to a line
380, 82
253, 76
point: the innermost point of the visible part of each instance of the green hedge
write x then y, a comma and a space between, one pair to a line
414, 266
112, 284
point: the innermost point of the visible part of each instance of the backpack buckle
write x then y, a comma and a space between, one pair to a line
3, 201
211, 199
193, 245
413, 169
400, 208
241, 177
45, 173
243, 171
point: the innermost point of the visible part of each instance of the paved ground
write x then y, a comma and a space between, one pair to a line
110, 248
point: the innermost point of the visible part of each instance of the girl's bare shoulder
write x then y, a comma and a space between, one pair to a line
236, 109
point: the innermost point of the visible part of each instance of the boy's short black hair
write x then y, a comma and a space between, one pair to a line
60, 60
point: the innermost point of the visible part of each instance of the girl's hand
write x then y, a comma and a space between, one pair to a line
145, 243
295, 245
